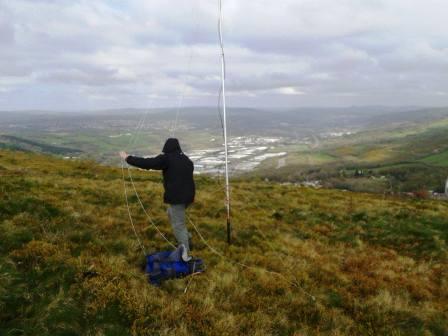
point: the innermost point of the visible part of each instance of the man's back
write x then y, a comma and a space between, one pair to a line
177, 172
178, 179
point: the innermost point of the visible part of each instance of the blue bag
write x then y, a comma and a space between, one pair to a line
167, 265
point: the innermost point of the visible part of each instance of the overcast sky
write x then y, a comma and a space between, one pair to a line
94, 54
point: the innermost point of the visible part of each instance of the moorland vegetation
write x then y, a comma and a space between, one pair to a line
70, 265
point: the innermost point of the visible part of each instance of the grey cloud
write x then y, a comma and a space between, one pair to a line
288, 52
7, 31
6, 35
83, 77
417, 58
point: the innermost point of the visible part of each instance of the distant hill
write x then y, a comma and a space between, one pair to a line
279, 122
407, 153
70, 265
18, 143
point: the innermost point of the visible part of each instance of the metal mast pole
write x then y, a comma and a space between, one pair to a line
223, 79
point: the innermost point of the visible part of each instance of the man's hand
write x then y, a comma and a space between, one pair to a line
123, 155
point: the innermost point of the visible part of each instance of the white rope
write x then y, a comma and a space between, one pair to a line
223, 123
181, 100
146, 213
133, 140
191, 277
184, 89
277, 274
129, 210
139, 127
281, 276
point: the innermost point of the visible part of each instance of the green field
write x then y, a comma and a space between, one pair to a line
440, 159
70, 265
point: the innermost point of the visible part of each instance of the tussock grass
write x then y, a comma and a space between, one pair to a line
69, 263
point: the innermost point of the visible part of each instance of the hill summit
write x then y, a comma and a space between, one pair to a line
70, 264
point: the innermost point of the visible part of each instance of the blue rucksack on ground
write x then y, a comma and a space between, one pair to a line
161, 266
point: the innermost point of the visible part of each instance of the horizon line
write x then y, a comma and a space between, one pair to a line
231, 107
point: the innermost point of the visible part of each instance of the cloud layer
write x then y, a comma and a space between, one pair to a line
105, 54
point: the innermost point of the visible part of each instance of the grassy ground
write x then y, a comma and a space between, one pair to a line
69, 263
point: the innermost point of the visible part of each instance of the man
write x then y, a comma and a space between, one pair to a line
178, 183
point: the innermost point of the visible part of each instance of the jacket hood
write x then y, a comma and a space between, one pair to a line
171, 146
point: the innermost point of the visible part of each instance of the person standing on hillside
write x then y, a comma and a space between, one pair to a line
178, 183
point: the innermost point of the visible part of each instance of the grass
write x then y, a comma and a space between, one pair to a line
300, 159
70, 265
310, 159
440, 159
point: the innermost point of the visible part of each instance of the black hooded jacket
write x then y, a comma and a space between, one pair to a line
177, 171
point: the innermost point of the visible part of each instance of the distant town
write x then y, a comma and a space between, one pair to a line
245, 153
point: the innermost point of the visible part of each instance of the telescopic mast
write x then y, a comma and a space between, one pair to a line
223, 85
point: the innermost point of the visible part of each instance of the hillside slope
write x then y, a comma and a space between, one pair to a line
395, 158
70, 265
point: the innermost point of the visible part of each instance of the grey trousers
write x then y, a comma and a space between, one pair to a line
176, 214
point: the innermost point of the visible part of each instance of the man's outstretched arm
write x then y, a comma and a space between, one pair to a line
157, 163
